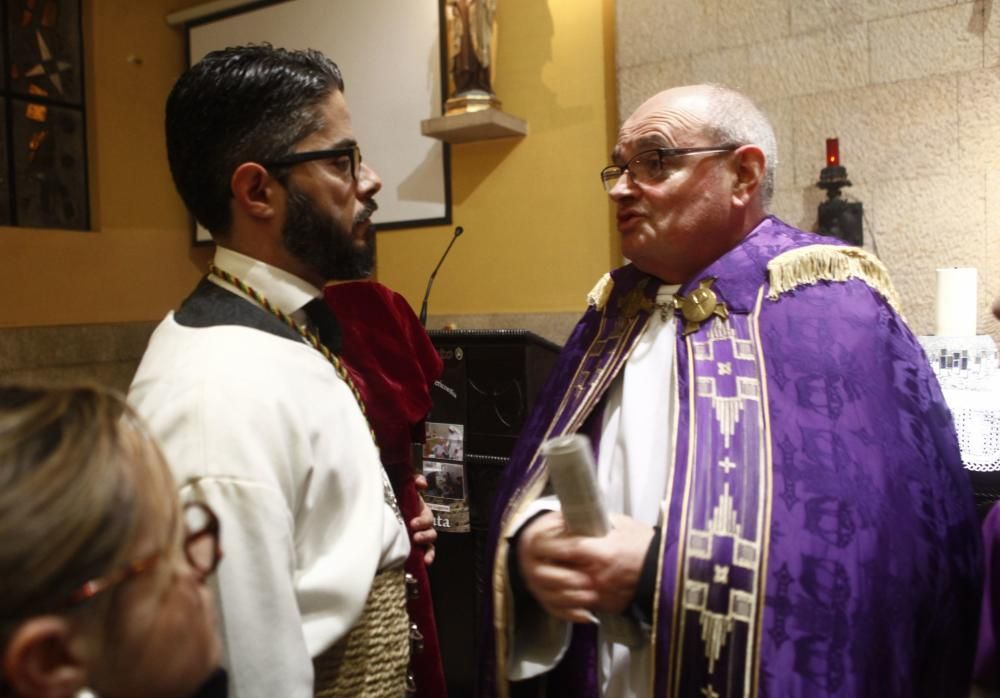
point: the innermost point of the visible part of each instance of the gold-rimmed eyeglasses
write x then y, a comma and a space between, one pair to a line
649, 165
201, 548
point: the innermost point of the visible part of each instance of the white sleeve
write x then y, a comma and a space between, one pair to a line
537, 640
232, 450
284, 458
259, 618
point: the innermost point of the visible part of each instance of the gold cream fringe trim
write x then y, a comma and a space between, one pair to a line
807, 265
598, 296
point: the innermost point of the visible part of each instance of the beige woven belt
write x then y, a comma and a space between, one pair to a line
371, 660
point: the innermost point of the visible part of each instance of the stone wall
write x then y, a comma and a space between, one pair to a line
911, 88
105, 354
109, 354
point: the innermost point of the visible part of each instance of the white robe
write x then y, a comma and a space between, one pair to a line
262, 429
632, 471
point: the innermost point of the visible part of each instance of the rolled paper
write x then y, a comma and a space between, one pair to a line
956, 302
572, 473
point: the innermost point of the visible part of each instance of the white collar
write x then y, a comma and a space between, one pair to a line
666, 292
286, 292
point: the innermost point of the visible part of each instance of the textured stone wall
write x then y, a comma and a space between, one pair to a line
911, 88
73, 354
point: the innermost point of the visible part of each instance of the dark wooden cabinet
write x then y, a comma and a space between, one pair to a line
490, 382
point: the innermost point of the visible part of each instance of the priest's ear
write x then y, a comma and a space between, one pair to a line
40, 661
255, 191
749, 164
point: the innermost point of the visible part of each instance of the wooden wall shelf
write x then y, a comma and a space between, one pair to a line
483, 125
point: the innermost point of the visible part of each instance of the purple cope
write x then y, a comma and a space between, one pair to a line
820, 537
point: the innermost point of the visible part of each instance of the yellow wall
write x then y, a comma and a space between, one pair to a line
538, 228
137, 261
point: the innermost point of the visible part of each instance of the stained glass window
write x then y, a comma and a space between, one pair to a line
43, 150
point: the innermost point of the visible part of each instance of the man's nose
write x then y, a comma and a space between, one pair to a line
369, 183
624, 186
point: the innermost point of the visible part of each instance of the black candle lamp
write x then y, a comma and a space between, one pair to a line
838, 218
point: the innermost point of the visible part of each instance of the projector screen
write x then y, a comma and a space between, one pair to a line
390, 55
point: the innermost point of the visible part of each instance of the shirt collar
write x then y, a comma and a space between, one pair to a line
665, 292
285, 291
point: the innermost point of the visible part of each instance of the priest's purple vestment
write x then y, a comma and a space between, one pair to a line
818, 535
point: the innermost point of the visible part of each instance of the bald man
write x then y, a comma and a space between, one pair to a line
790, 514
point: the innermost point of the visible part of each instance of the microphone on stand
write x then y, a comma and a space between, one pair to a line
423, 306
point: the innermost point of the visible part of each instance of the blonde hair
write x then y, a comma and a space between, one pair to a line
79, 474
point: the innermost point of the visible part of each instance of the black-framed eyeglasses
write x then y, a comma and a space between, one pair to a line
649, 165
201, 548
346, 158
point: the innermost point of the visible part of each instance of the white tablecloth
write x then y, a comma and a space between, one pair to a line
977, 422
972, 394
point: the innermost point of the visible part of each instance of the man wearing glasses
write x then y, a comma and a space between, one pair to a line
790, 515
244, 388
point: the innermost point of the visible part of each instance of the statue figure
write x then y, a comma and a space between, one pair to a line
471, 53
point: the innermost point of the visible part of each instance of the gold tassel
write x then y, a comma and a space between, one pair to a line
598, 296
807, 265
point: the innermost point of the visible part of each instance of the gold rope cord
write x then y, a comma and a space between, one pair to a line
303, 331
387, 493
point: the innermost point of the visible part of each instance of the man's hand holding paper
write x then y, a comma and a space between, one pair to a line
572, 576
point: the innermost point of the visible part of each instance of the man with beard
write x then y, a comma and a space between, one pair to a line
244, 388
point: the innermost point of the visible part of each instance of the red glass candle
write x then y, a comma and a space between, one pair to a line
832, 152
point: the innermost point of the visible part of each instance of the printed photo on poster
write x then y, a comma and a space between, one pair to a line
444, 480
444, 441
445, 495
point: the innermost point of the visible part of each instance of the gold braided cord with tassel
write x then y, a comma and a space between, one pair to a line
807, 265
372, 659
311, 338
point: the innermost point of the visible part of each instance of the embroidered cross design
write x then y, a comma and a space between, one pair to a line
728, 389
721, 577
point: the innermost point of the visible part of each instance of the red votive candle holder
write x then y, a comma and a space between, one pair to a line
832, 152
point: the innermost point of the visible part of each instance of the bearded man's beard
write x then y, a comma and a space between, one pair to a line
321, 242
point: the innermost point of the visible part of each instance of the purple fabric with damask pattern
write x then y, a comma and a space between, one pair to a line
854, 564
987, 669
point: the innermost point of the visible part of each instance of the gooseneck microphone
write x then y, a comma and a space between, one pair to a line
423, 306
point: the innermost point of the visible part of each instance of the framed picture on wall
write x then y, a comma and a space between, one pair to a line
390, 53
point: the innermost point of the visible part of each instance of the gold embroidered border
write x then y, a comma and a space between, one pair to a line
534, 486
673, 671
746, 606
767, 483
675, 415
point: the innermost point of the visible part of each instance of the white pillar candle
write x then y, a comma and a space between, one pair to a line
956, 302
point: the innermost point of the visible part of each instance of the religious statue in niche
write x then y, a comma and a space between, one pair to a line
47, 182
472, 36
